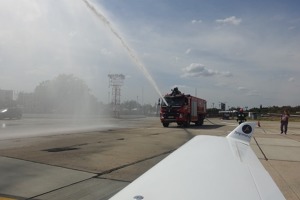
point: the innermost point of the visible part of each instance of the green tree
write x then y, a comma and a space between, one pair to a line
131, 105
64, 94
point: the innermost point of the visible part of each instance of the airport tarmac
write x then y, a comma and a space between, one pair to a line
96, 164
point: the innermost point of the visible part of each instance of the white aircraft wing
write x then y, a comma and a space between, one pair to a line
207, 167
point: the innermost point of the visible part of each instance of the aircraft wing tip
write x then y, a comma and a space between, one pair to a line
243, 132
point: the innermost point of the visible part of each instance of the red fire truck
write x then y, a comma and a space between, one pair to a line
182, 109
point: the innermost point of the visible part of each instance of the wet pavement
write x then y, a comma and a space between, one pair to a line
96, 164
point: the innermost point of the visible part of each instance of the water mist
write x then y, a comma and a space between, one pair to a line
129, 50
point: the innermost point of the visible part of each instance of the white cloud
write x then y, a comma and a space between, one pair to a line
226, 74
291, 28
230, 20
188, 51
105, 51
291, 79
196, 21
197, 70
243, 89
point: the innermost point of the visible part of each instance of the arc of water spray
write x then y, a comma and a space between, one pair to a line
130, 51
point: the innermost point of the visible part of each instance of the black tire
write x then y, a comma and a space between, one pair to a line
187, 123
200, 122
166, 124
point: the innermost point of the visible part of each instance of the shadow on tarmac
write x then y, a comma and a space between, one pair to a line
190, 135
206, 127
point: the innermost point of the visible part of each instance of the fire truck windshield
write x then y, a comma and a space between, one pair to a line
174, 101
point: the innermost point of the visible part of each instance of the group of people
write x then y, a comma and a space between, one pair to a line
284, 120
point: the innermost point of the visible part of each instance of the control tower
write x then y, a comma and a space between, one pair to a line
115, 82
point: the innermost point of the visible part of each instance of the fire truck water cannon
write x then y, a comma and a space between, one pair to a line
182, 109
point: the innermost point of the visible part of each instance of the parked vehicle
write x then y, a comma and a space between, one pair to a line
11, 113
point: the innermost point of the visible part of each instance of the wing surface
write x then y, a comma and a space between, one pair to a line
207, 167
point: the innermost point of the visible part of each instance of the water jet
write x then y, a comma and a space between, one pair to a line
124, 44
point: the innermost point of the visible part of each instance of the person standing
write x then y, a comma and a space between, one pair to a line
284, 120
241, 117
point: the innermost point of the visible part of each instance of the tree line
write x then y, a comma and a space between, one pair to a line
261, 110
67, 94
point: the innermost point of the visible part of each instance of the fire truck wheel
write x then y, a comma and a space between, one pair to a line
166, 124
187, 123
200, 123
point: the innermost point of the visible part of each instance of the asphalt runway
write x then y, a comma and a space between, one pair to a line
97, 161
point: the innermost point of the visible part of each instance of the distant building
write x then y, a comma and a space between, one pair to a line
27, 101
6, 97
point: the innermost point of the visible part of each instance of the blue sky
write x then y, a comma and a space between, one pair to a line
239, 52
